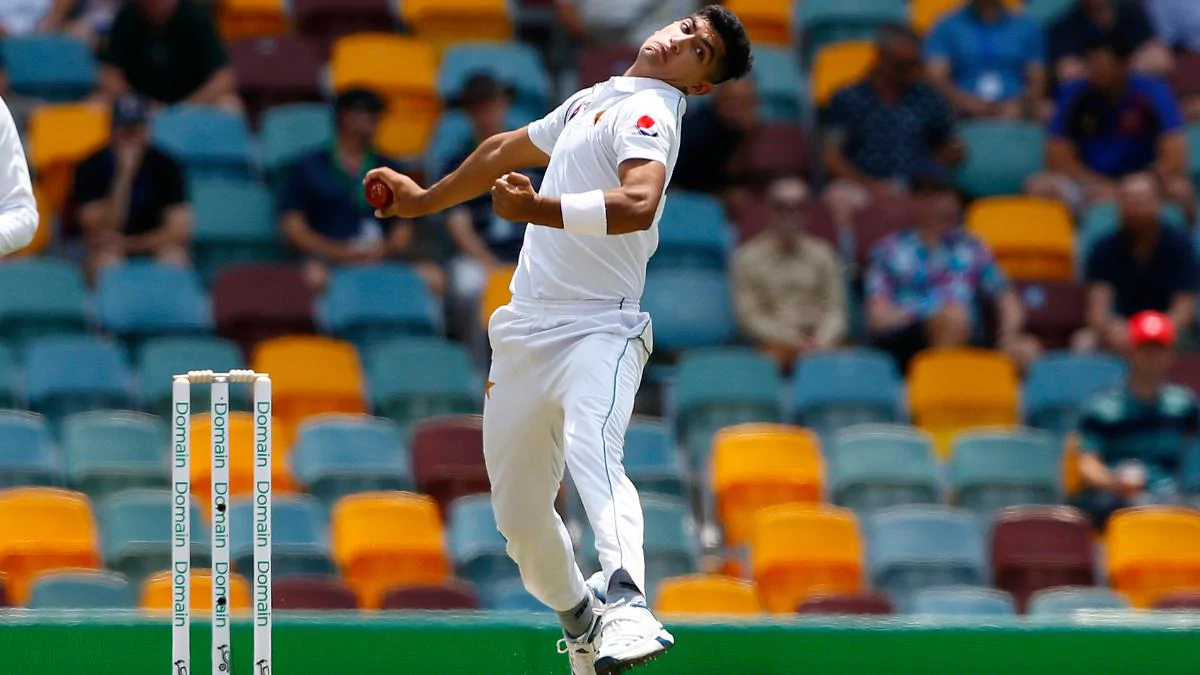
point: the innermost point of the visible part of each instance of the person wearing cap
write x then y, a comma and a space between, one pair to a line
1133, 438
924, 283
323, 212
130, 198
18, 210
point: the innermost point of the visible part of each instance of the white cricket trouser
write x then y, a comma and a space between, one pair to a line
560, 392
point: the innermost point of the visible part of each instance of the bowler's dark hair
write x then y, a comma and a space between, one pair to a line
738, 58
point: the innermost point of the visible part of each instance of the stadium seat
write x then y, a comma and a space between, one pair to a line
365, 60
707, 594
950, 390
312, 592
368, 304
453, 596
881, 218
991, 470
412, 379
1193, 141
877, 467
840, 65
767, 22
447, 456
326, 20
477, 547
962, 601
653, 461
299, 536
135, 530
39, 298
717, 388
1046, 12
338, 455
597, 63
1153, 551
924, 14
42, 529
776, 150
825, 22
915, 547
27, 453
1186, 371
1188, 601
1190, 472
1071, 599
50, 67
847, 605
375, 555
276, 71
1000, 156
1059, 384
1053, 310
311, 375
292, 131
208, 141
1033, 239
755, 466
445, 22
405, 136
511, 596
679, 324
777, 74
495, 293
159, 359
240, 441
7, 378
157, 592
516, 65
253, 303
50, 222
672, 543
252, 18
68, 374
138, 300
106, 452
234, 222
831, 559
454, 131
1184, 77
59, 138
838, 389
91, 590
693, 233
1037, 547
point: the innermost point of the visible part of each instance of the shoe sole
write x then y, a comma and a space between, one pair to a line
610, 666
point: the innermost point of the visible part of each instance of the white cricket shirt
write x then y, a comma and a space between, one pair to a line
18, 211
587, 138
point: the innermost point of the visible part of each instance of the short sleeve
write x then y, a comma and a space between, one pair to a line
545, 132
172, 183
1099, 264
1035, 43
878, 283
940, 121
91, 181
646, 129
1091, 432
1063, 109
294, 190
939, 44
1163, 99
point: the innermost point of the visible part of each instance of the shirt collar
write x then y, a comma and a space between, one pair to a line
629, 85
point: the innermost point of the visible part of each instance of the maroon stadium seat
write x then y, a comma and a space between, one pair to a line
1036, 547
598, 63
327, 20
865, 603
456, 595
1185, 79
752, 217
881, 218
1186, 370
1186, 600
447, 457
275, 71
777, 150
313, 593
253, 303
1053, 310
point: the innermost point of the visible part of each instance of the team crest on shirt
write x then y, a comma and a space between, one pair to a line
579, 106
646, 126
596, 120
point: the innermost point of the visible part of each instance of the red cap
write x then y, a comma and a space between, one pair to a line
1154, 327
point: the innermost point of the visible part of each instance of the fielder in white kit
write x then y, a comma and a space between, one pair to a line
569, 349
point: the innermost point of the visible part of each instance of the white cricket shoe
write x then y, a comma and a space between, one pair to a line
630, 636
581, 651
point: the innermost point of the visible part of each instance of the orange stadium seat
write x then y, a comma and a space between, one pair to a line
950, 390
240, 440
157, 595
838, 65
310, 376
924, 14
445, 22
382, 540
798, 551
1033, 239
495, 293
1072, 476
707, 594
252, 18
759, 465
767, 22
44, 529
1153, 551
370, 60
60, 137
403, 135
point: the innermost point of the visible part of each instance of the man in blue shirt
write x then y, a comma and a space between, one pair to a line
1124, 19
989, 61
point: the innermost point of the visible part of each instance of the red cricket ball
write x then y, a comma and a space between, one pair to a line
379, 195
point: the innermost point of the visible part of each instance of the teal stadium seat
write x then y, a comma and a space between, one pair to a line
369, 304
1190, 473
823, 22
716, 388
40, 297
516, 65
510, 596
1071, 599
135, 533
1059, 384
69, 374
8, 398
672, 542
339, 455
454, 131
52, 67
963, 601
411, 379
1000, 156
161, 358
139, 300
693, 233
877, 467
106, 452
910, 548
291, 131
208, 141
991, 470
96, 590
27, 453
653, 461
1046, 12
691, 309
1193, 138
234, 223
299, 536
838, 389
777, 74
476, 546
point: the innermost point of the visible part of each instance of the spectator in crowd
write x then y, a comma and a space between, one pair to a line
1125, 20
626, 22
130, 198
886, 128
924, 284
168, 51
91, 20
25, 17
788, 286
989, 61
1112, 124
1145, 265
1133, 439
324, 213
715, 141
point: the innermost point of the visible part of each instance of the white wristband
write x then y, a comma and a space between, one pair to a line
584, 214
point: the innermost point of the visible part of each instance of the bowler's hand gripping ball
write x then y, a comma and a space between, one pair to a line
379, 195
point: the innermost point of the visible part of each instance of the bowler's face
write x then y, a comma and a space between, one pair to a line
684, 53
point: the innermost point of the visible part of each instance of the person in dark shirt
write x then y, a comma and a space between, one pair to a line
323, 211
1125, 19
1145, 265
130, 198
168, 51
714, 143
